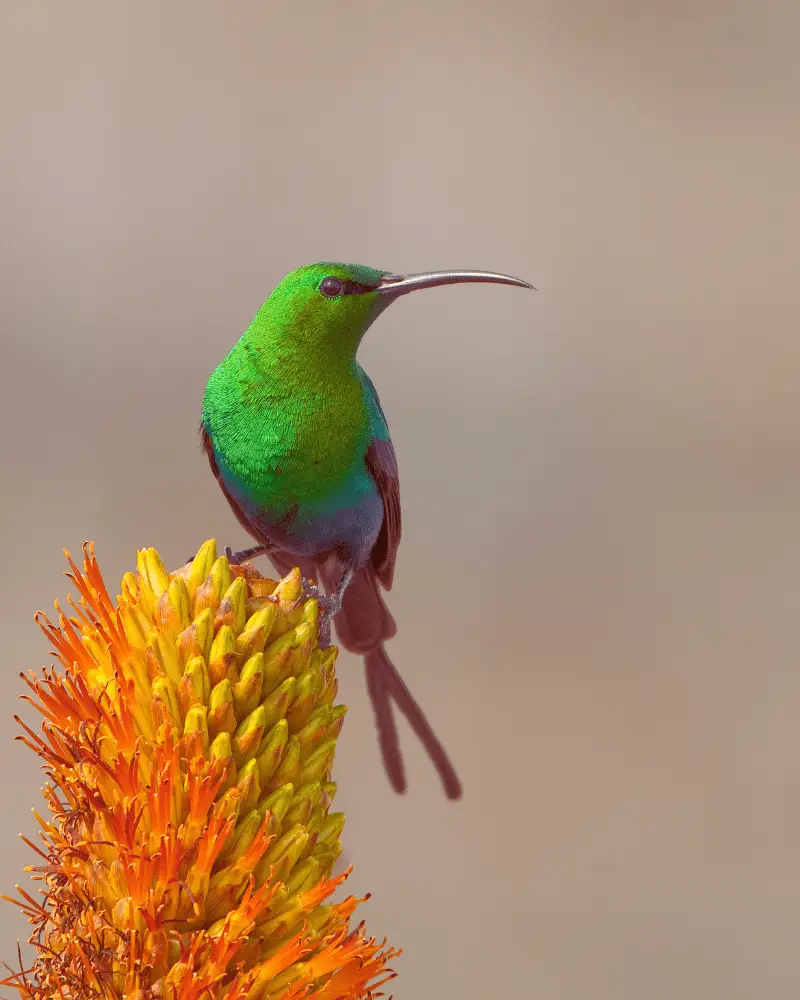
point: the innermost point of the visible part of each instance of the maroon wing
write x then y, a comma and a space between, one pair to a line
364, 621
382, 464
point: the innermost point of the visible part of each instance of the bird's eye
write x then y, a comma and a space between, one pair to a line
331, 287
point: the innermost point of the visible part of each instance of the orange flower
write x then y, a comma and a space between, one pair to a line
189, 847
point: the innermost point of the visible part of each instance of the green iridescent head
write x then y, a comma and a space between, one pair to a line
327, 304
330, 305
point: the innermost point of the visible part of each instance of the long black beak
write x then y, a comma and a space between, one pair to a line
393, 285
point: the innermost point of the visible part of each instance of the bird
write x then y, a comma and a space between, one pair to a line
298, 441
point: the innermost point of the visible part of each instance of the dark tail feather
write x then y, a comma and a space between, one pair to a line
363, 625
385, 682
385, 724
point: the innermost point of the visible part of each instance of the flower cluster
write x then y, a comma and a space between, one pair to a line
189, 846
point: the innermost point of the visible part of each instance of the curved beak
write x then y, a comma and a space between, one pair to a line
393, 285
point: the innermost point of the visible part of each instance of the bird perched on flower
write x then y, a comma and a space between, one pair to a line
297, 439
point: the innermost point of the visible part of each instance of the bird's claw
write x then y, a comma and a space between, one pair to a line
329, 608
327, 604
311, 591
243, 555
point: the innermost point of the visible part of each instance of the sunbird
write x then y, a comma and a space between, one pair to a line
297, 439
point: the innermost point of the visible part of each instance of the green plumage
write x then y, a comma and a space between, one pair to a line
286, 409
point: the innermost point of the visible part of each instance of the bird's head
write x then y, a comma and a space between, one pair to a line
334, 304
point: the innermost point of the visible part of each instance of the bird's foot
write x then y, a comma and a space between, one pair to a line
234, 558
328, 605
244, 555
329, 608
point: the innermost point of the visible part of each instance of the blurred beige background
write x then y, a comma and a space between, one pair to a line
599, 583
